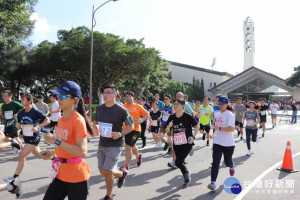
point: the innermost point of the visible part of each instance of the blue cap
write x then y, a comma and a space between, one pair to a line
223, 100
68, 87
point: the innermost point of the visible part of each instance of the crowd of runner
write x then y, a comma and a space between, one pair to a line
174, 123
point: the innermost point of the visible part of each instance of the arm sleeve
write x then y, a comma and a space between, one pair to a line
143, 111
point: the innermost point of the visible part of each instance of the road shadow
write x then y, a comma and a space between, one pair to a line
210, 194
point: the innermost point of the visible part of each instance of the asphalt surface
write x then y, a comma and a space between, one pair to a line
154, 180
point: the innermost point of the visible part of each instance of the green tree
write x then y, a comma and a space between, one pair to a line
294, 79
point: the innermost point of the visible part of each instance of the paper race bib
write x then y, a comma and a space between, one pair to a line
105, 129
165, 118
27, 130
250, 122
179, 138
9, 114
203, 111
55, 167
154, 123
263, 112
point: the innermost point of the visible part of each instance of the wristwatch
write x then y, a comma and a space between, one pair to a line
57, 142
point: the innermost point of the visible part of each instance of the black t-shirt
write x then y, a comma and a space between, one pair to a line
147, 107
264, 107
155, 116
294, 107
183, 124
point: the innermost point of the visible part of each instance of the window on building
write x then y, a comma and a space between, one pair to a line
215, 84
210, 84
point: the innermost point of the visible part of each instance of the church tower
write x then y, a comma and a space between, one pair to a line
249, 46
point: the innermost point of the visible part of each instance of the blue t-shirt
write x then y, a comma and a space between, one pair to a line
166, 117
160, 104
216, 111
33, 117
147, 107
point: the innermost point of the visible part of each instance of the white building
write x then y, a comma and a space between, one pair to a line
185, 73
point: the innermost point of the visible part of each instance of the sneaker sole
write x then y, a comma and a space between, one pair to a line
211, 188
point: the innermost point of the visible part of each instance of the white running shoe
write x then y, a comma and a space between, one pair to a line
249, 153
160, 144
172, 165
157, 145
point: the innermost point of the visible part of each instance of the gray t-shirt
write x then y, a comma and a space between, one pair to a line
112, 119
239, 111
43, 108
251, 118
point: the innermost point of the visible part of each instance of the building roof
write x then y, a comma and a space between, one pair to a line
240, 74
200, 69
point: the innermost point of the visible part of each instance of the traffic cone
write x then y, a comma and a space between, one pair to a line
287, 164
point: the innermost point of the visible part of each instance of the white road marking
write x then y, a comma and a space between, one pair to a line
247, 189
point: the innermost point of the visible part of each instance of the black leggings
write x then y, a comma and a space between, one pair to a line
143, 135
181, 152
250, 132
218, 150
58, 190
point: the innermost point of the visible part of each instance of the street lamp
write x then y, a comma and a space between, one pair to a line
91, 60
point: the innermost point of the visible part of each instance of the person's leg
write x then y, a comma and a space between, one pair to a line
248, 134
109, 180
217, 155
143, 134
78, 191
161, 137
19, 141
5, 145
155, 138
228, 152
28, 148
181, 153
135, 151
57, 190
254, 135
128, 154
296, 116
263, 126
241, 129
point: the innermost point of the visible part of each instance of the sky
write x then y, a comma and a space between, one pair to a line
191, 32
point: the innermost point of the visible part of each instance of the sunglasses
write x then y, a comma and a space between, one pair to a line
64, 96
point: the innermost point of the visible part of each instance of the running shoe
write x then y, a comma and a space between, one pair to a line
166, 146
239, 133
187, 179
192, 151
241, 137
139, 160
212, 186
125, 167
172, 165
17, 187
249, 153
231, 171
15, 151
15, 144
121, 181
160, 143
203, 136
157, 145
207, 143
263, 135
109, 198
8, 179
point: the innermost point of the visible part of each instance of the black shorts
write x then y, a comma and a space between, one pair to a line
32, 140
132, 137
11, 131
52, 124
237, 123
263, 118
205, 128
154, 129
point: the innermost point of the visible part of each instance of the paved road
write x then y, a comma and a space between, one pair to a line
153, 180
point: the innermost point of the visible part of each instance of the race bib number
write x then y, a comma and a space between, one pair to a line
250, 122
154, 123
9, 114
27, 130
180, 138
55, 167
165, 118
105, 129
263, 112
203, 111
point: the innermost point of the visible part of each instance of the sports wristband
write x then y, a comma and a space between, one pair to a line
120, 134
38, 126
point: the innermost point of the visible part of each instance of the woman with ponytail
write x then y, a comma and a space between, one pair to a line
70, 173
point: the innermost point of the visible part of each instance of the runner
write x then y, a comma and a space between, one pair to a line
110, 117
186, 97
206, 112
166, 112
183, 138
263, 114
295, 111
118, 100
155, 117
9, 112
11, 143
252, 119
274, 107
28, 121
41, 105
54, 111
144, 124
13, 187
223, 141
70, 172
216, 108
136, 111
197, 111
240, 110
160, 103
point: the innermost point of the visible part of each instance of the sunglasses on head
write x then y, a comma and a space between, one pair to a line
64, 96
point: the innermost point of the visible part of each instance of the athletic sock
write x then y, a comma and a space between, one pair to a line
8, 187
15, 176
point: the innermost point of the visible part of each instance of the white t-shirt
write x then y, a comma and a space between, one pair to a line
55, 116
225, 119
274, 108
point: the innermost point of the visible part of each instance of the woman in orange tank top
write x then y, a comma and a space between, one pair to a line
70, 173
